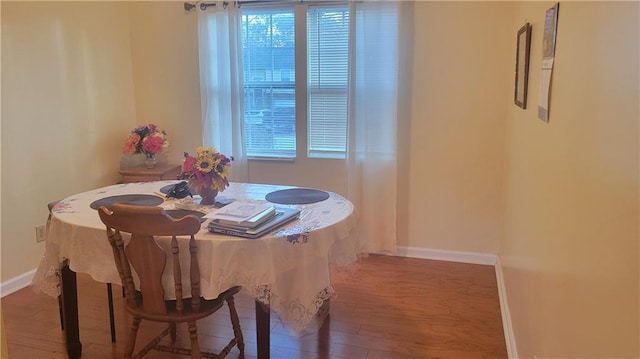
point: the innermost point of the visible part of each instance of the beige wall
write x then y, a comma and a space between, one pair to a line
570, 249
461, 87
67, 103
164, 43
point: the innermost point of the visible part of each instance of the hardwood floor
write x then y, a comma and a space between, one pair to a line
388, 308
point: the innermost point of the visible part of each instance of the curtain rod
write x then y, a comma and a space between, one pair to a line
204, 5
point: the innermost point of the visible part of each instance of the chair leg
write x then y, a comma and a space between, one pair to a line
235, 322
172, 332
131, 341
193, 334
111, 320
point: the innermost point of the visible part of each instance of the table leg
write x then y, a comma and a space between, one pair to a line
263, 330
323, 311
70, 311
324, 321
111, 320
323, 338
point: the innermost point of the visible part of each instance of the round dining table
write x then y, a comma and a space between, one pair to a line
287, 271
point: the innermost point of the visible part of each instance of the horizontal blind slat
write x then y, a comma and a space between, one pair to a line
328, 64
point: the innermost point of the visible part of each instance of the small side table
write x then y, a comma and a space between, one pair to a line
143, 174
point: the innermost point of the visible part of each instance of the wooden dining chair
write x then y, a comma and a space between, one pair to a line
112, 322
148, 259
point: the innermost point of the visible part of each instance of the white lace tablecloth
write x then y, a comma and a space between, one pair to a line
288, 269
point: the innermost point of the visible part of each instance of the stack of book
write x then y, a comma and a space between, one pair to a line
249, 219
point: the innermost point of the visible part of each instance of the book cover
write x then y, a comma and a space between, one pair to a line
238, 212
282, 216
249, 223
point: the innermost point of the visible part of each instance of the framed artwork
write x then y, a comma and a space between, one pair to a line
523, 50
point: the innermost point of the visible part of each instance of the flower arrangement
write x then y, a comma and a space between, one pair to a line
147, 139
208, 169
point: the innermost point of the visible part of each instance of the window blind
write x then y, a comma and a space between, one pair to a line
327, 71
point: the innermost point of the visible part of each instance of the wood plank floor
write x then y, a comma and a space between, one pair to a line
389, 307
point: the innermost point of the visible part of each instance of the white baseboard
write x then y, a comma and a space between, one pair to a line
444, 255
507, 327
17, 283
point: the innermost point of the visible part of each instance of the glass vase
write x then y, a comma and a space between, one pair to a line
150, 160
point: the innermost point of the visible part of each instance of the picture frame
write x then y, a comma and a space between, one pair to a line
523, 52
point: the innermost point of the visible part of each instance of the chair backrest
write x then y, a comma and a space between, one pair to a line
146, 257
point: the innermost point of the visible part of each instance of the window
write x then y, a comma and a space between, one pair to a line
270, 86
268, 50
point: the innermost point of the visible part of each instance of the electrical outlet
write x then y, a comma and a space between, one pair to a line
40, 232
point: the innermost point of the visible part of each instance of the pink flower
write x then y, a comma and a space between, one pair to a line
153, 144
189, 164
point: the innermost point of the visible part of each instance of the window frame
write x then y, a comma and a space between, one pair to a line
301, 81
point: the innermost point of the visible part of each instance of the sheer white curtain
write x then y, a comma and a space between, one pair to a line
372, 149
221, 86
